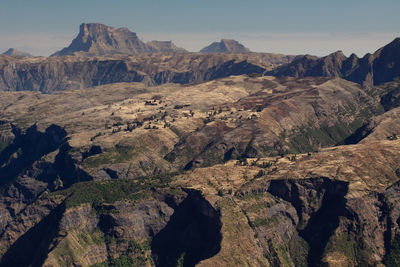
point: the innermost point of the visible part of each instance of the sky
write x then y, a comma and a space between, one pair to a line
316, 27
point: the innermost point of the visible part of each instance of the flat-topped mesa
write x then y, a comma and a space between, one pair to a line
225, 46
100, 39
16, 53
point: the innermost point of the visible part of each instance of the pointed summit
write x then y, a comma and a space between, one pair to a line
225, 46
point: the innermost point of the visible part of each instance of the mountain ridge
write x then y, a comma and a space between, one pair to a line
75, 72
372, 69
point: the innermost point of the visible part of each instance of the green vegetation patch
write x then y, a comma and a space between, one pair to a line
135, 255
343, 243
258, 222
278, 254
257, 207
96, 237
355, 249
310, 138
299, 250
98, 192
65, 254
121, 152
123, 261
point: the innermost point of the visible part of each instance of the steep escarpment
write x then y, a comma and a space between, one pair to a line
372, 69
194, 230
32, 164
27, 148
319, 203
62, 73
42, 156
327, 227
132, 224
42, 235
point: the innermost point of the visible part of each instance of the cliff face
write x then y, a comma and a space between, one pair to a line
309, 222
164, 227
375, 69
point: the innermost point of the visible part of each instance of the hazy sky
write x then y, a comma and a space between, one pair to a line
315, 27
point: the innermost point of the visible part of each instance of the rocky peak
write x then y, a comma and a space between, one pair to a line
331, 65
225, 46
338, 55
100, 39
16, 53
386, 62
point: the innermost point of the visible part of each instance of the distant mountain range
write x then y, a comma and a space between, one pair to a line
220, 59
100, 39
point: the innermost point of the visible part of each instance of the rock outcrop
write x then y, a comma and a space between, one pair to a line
225, 46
